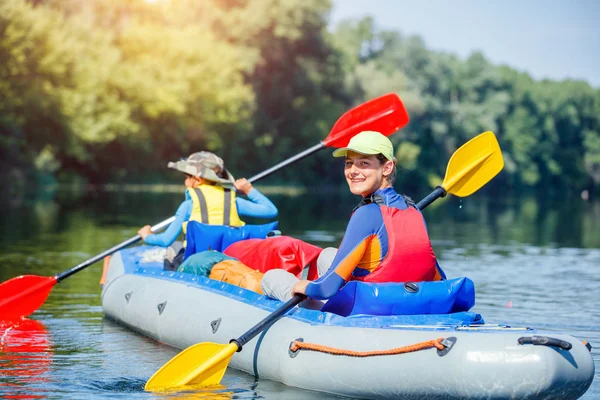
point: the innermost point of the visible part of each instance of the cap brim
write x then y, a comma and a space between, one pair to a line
179, 166
343, 152
210, 175
230, 178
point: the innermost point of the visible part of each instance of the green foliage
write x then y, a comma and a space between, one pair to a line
548, 130
112, 90
88, 89
407, 154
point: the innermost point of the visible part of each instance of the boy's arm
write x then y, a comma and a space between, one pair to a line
258, 205
166, 238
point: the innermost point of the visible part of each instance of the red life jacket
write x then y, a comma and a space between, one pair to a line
410, 257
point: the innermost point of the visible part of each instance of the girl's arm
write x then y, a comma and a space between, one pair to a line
361, 229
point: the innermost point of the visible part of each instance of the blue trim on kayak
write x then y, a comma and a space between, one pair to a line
132, 265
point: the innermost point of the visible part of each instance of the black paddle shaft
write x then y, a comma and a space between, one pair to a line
110, 251
99, 257
297, 299
431, 197
136, 238
267, 322
289, 161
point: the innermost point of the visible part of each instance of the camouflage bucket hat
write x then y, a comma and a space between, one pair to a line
204, 164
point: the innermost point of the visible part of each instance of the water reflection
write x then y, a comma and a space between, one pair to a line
25, 358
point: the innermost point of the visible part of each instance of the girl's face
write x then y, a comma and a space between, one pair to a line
365, 174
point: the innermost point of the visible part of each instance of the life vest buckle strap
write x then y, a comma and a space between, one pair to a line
203, 206
409, 202
374, 198
227, 207
378, 199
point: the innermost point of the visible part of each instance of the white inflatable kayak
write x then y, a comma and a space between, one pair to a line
425, 356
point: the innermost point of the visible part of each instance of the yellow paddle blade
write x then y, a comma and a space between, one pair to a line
202, 363
473, 165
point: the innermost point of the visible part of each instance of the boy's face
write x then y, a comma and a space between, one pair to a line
191, 181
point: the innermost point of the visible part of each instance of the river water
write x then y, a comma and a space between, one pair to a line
533, 263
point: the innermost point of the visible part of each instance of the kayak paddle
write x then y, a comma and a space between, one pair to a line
471, 166
22, 295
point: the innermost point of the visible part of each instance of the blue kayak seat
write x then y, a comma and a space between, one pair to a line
410, 298
201, 237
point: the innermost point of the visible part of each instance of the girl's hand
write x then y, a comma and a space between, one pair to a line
300, 287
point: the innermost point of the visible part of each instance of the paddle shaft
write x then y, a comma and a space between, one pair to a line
110, 251
431, 197
168, 221
265, 323
297, 299
289, 161
369, 118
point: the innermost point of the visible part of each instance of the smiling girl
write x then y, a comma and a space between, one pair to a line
386, 238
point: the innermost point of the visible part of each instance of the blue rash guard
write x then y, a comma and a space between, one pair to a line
363, 248
258, 206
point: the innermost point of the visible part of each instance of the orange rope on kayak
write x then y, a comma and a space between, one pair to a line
437, 343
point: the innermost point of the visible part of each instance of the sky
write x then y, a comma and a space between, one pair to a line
555, 39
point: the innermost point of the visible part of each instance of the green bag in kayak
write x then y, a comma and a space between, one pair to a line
202, 263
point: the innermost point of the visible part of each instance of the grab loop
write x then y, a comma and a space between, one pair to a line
545, 341
443, 346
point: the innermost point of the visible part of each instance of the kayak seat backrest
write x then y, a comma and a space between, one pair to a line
410, 298
201, 237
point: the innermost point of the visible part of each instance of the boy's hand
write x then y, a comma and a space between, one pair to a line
242, 185
145, 231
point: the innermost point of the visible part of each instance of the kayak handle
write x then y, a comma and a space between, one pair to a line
545, 341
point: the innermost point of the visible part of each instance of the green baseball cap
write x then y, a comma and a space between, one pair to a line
368, 143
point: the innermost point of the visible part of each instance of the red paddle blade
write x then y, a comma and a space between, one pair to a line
385, 114
22, 295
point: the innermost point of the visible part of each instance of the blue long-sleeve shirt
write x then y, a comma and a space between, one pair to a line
364, 247
257, 205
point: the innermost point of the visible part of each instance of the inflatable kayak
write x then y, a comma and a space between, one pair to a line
433, 356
